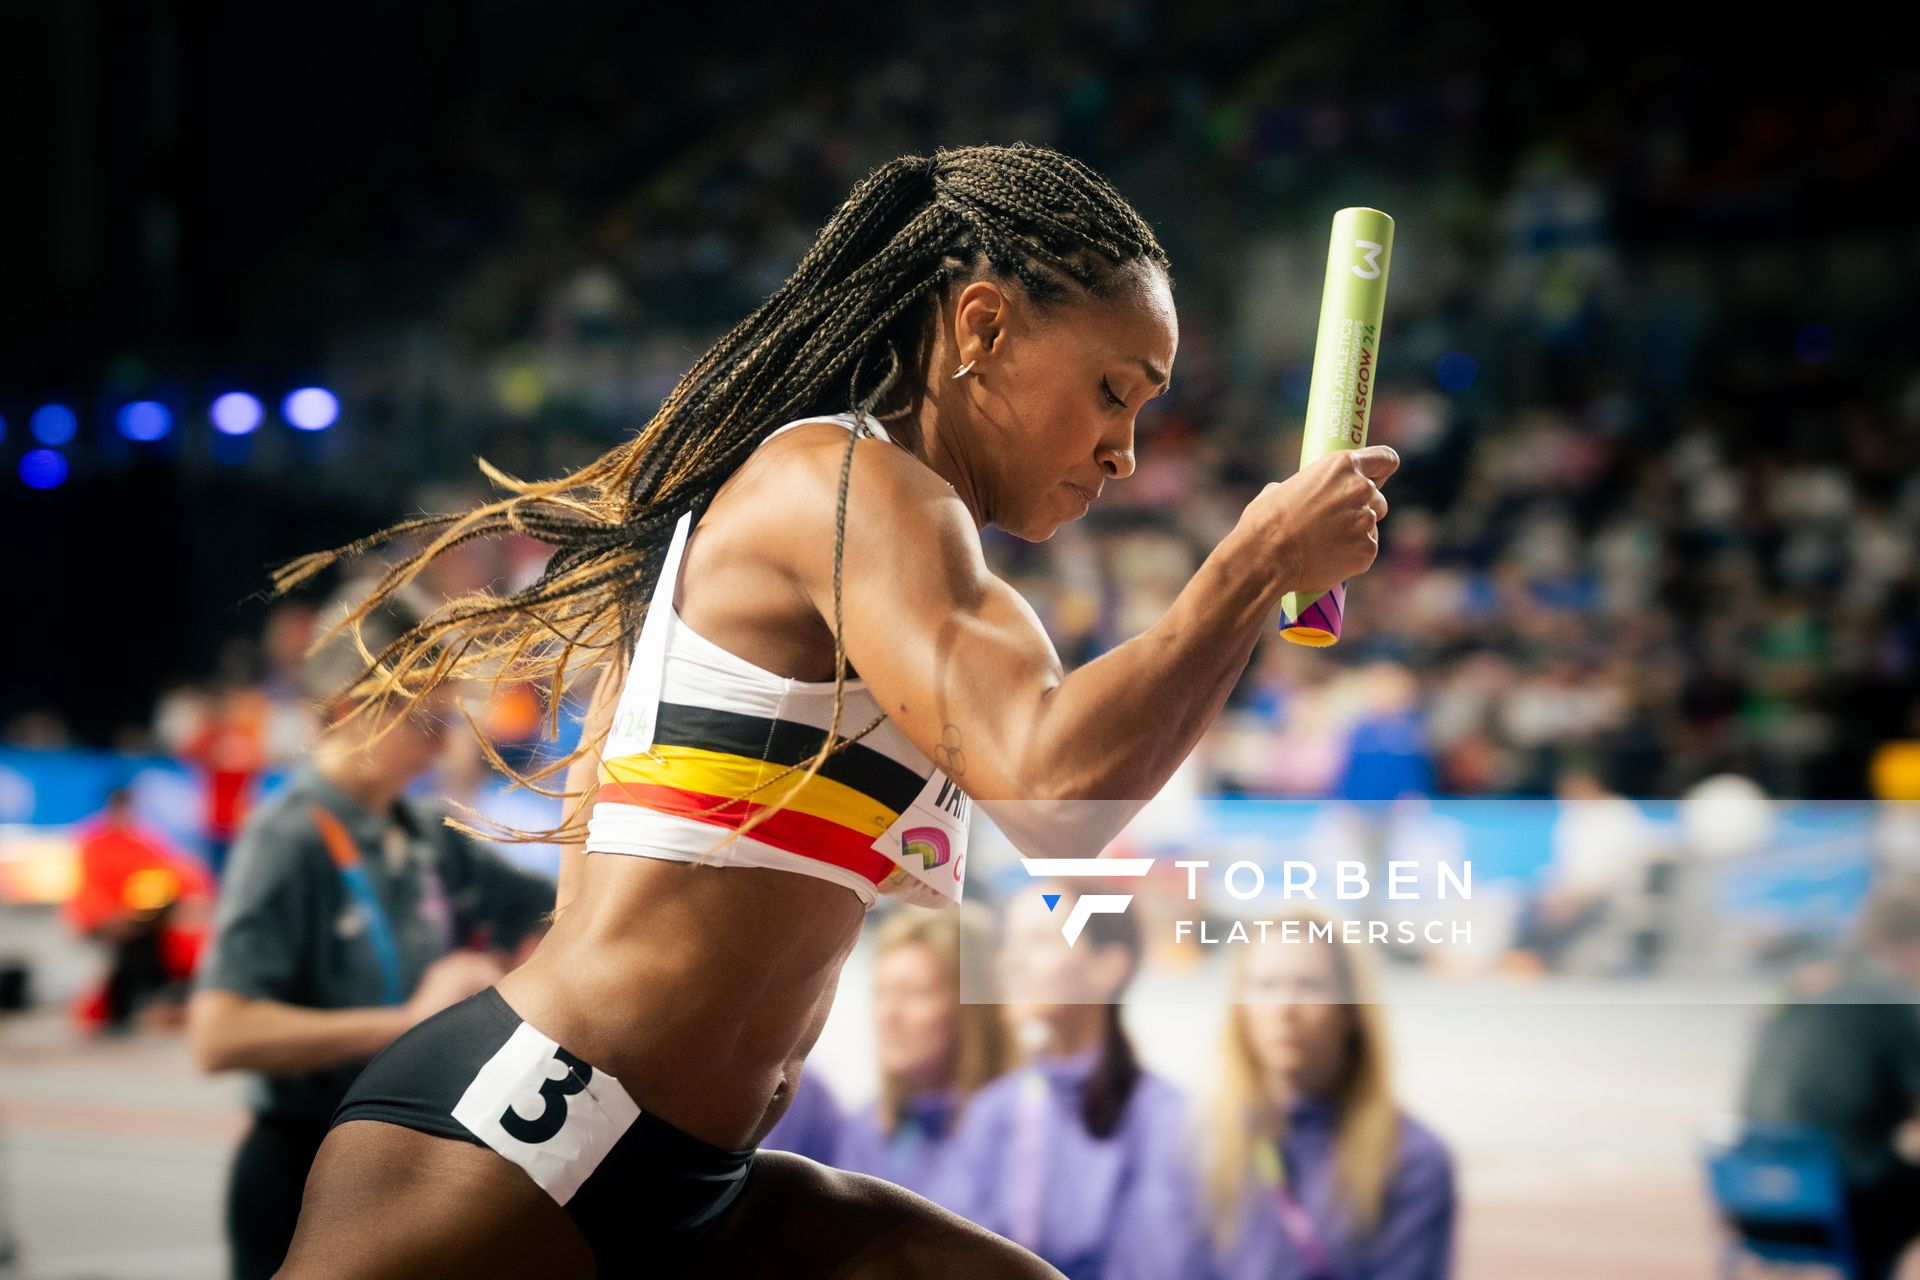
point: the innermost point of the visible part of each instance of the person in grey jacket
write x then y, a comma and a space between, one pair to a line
1845, 1060
349, 913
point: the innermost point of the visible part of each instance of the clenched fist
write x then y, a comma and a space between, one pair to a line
1320, 527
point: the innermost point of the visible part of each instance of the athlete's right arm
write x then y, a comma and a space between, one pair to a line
961, 663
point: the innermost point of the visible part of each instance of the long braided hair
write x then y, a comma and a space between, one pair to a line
852, 328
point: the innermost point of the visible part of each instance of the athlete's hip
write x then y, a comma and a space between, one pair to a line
635, 1183
697, 1032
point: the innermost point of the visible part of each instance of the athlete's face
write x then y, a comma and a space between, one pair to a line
1055, 395
1295, 1015
914, 1013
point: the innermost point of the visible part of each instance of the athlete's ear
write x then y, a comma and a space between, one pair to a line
980, 316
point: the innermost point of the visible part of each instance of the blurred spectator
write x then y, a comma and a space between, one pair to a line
1653, 510
1310, 1167
38, 730
1077, 1155
470, 786
1846, 1061
1386, 747
230, 749
935, 1051
343, 897
145, 901
1596, 908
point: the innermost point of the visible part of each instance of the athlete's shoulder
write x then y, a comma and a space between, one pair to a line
897, 507
907, 535
814, 451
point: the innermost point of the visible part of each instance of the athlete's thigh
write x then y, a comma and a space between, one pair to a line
387, 1201
798, 1218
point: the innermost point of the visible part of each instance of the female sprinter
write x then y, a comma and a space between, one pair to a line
1005, 314
1311, 1169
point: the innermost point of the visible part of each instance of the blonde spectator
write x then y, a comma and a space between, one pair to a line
1310, 1169
935, 1051
1078, 1154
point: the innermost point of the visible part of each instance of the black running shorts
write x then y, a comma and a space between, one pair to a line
642, 1191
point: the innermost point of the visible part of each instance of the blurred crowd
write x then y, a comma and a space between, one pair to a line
1037, 1118
1659, 501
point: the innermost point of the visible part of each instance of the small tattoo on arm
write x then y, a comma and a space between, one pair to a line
949, 755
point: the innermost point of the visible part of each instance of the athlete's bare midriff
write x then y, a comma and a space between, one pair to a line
701, 989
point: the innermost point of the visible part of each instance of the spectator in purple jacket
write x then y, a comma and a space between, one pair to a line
1311, 1170
1079, 1155
935, 1051
811, 1123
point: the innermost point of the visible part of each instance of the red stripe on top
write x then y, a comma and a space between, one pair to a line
789, 829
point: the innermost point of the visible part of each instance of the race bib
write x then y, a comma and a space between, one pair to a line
928, 844
545, 1110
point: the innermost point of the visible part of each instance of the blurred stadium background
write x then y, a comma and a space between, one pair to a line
276, 279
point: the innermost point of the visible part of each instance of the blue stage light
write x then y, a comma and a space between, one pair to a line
236, 414
145, 420
311, 409
54, 424
43, 469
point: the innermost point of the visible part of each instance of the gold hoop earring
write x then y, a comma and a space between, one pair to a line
963, 371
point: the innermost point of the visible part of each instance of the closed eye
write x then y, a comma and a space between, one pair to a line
1112, 399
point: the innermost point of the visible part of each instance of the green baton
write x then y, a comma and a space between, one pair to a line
1340, 399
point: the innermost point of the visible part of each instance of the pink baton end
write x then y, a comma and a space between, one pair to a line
1319, 623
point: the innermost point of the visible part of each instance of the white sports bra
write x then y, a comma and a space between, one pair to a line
698, 731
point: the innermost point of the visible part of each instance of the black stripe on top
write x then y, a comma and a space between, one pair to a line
786, 742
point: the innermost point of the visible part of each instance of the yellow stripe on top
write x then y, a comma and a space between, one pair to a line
722, 774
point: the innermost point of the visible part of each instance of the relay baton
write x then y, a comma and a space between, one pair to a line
1340, 398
